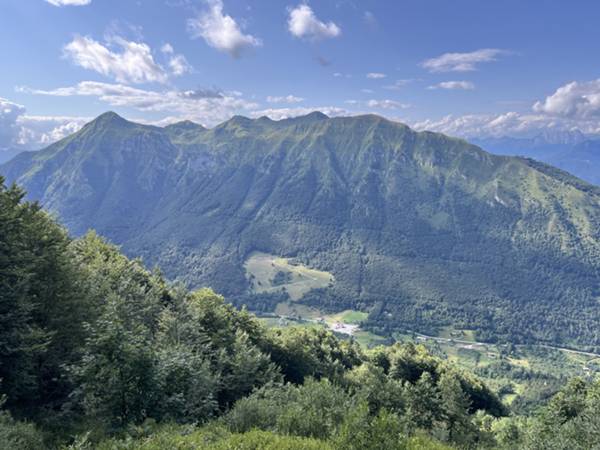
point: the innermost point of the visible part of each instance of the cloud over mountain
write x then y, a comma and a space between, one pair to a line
575, 99
206, 106
17, 129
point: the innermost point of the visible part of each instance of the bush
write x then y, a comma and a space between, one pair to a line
17, 435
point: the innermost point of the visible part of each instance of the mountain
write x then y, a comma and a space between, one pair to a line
582, 160
6, 154
422, 230
570, 151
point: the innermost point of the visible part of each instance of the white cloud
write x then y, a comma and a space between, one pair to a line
572, 107
221, 31
285, 99
376, 75
453, 85
177, 63
167, 49
40, 131
286, 113
462, 62
9, 114
507, 124
575, 99
303, 23
19, 130
386, 104
206, 106
398, 84
134, 63
367, 91
69, 2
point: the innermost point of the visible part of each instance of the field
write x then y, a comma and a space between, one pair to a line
270, 273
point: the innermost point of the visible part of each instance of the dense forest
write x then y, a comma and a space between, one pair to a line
421, 230
96, 351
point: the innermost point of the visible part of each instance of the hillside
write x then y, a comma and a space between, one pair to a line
419, 229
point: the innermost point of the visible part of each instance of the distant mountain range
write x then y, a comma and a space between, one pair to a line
420, 229
6, 154
570, 151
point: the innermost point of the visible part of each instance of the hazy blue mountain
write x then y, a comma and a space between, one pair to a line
421, 229
571, 151
6, 154
582, 160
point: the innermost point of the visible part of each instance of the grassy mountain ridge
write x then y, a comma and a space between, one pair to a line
421, 229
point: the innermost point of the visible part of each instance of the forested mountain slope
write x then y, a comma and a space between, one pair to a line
420, 229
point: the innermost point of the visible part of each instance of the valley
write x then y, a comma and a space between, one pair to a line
300, 225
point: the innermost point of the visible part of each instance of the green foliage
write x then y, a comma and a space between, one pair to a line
316, 353
210, 438
361, 430
17, 435
41, 306
315, 409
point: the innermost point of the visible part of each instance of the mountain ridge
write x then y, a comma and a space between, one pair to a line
417, 227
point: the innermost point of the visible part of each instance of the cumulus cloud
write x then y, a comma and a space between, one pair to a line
303, 23
19, 130
453, 85
575, 99
386, 104
462, 62
286, 113
9, 114
572, 107
284, 99
376, 75
177, 63
134, 63
206, 106
40, 131
221, 31
69, 2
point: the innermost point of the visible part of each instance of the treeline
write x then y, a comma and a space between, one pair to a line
98, 352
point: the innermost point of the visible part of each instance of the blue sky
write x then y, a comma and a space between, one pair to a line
471, 68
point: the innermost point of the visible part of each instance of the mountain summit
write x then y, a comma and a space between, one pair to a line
422, 230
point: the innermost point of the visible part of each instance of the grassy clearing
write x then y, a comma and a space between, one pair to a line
348, 316
270, 273
297, 310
